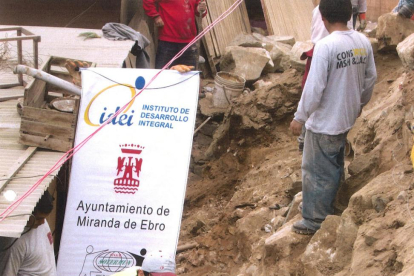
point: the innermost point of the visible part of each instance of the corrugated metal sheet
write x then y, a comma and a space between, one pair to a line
37, 165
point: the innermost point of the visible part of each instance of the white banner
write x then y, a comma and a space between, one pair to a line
128, 182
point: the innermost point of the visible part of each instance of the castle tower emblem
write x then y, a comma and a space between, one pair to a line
129, 166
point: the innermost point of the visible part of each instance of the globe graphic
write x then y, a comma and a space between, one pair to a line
114, 261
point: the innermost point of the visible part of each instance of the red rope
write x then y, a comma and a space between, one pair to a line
74, 150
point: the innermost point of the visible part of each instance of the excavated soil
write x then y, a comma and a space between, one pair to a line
245, 160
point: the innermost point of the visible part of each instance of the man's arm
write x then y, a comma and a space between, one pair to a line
370, 78
151, 10
314, 86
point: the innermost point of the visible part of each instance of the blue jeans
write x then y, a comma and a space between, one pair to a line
322, 169
167, 50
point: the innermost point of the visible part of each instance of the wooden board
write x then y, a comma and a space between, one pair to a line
11, 94
291, 17
220, 37
56, 144
49, 129
376, 8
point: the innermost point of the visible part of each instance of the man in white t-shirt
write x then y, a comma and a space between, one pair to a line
339, 84
31, 254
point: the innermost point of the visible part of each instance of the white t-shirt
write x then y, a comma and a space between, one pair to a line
339, 84
318, 30
32, 254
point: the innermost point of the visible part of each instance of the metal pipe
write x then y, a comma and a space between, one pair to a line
39, 74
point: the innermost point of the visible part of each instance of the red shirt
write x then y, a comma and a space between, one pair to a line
178, 17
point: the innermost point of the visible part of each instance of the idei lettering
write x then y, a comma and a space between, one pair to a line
124, 119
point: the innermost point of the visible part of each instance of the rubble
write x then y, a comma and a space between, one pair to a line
293, 60
405, 50
245, 62
247, 40
278, 53
391, 30
254, 163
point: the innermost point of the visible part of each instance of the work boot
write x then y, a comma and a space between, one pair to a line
300, 227
405, 12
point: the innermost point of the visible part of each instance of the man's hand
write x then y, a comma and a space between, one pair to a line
158, 21
295, 127
73, 68
202, 7
362, 25
362, 22
182, 68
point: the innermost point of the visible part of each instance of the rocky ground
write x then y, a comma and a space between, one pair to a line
245, 182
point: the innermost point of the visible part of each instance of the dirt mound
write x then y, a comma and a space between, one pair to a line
251, 163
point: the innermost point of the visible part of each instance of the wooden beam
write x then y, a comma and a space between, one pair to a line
11, 94
16, 167
20, 38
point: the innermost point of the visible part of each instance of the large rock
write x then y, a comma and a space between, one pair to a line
391, 30
251, 227
318, 256
293, 59
271, 39
278, 47
405, 51
246, 62
371, 29
278, 53
284, 242
294, 208
247, 40
290, 40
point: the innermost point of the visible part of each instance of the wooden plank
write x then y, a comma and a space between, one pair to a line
46, 130
35, 91
8, 85
51, 117
61, 61
292, 17
51, 143
10, 94
6, 29
61, 75
17, 166
376, 8
21, 38
223, 33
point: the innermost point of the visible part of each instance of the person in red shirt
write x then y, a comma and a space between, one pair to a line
176, 24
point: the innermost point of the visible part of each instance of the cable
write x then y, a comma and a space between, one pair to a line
19, 215
154, 88
79, 15
20, 177
75, 149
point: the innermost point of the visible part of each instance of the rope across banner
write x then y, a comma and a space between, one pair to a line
74, 150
